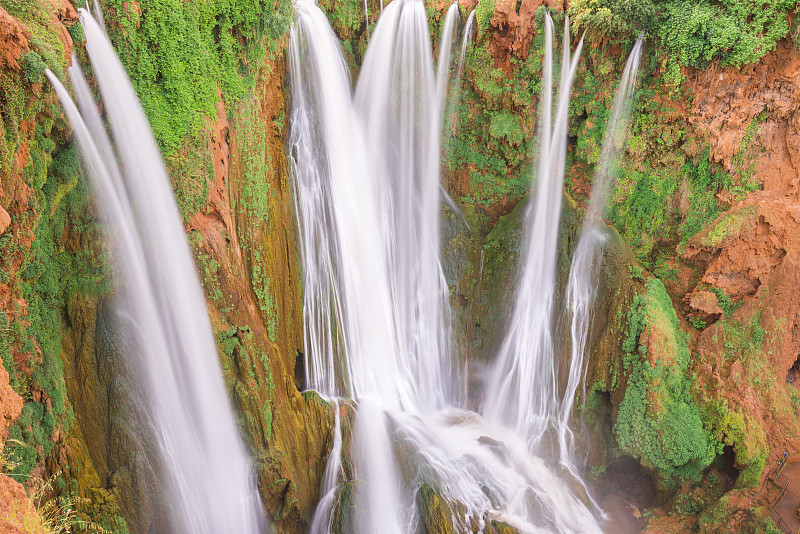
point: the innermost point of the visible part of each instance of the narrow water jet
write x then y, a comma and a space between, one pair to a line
466, 39
185, 397
582, 283
449, 29
522, 390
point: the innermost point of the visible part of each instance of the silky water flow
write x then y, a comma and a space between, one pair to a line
365, 167
174, 357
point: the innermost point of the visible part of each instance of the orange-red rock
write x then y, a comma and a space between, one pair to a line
5, 220
13, 40
703, 305
512, 31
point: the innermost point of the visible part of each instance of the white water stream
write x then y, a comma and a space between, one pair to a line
207, 472
523, 386
366, 173
583, 279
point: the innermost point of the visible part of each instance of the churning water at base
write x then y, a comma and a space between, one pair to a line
207, 474
365, 169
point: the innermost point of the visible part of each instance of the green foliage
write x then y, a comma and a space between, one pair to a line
697, 323
742, 432
737, 32
729, 225
703, 185
658, 420
636, 272
493, 131
179, 56
726, 302
691, 33
47, 50
49, 276
611, 18
504, 125
33, 66
640, 209
483, 16
743, 162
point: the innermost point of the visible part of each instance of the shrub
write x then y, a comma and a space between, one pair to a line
33, 67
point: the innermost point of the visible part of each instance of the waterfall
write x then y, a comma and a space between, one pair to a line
582, 283
522, 391
344, 262
465, 40
207, 472
397, 101
445, 50
365, 169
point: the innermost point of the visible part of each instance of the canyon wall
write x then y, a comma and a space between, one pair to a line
690, 389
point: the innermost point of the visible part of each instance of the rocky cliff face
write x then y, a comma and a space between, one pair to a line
695, 329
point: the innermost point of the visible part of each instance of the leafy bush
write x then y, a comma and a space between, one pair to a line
483, 15
33, 66
179, 56
736, 32
691, 32
658, 420
604, 19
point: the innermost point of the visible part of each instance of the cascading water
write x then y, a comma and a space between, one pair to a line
206, 470
345, 271
523, 390
366, 175
445, 50
467, 38
397, 101
582, 282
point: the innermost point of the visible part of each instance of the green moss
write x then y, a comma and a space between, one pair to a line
266, 300
268, 420
257, 193
180, 56
729, 225
658, 420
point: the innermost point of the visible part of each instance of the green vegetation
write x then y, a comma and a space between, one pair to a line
49, 277
604, 19
493, 130
703, 184
746, 436
180, 57
689, 33
33, 66
658, 421
728, 226
483, 16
